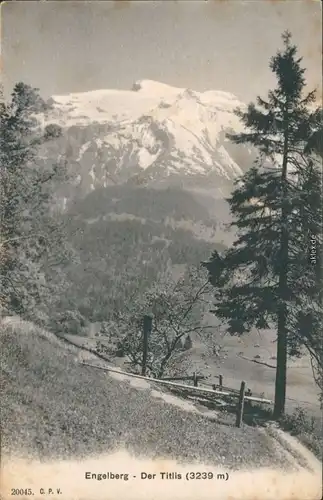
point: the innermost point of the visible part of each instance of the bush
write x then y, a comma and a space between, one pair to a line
120, 351
179, 345
102, 349
52, 131
297, 422
71, 322
307, 429
188, 344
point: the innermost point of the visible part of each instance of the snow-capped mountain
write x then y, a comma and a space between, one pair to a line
152, 133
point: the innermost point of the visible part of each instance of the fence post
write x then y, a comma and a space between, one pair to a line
220, 382
240, 404
147, 330
195, 380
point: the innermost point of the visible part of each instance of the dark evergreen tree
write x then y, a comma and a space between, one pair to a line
266, 279
32, 239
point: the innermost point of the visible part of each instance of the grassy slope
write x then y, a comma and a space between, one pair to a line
53, 407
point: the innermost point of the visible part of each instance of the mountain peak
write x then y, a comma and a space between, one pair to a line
154, 87
154, 131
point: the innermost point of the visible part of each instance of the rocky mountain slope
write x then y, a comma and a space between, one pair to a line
153, 134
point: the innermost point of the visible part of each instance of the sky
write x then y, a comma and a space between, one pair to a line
65, 46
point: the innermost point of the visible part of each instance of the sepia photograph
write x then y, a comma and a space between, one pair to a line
161, 298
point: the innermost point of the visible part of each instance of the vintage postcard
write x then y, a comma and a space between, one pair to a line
161, 250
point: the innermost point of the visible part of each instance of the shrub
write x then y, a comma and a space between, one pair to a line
102, 348
188, 344
71, 322
306, 428
52, 131
179, 345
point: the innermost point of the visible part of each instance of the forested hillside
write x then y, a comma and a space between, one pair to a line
125, 238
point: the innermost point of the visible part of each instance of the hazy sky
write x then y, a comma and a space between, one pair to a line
65, 46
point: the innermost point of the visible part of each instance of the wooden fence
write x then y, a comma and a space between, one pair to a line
194, 390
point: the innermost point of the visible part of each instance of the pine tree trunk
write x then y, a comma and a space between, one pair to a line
281, 367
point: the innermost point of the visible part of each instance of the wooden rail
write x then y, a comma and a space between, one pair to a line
188, 377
